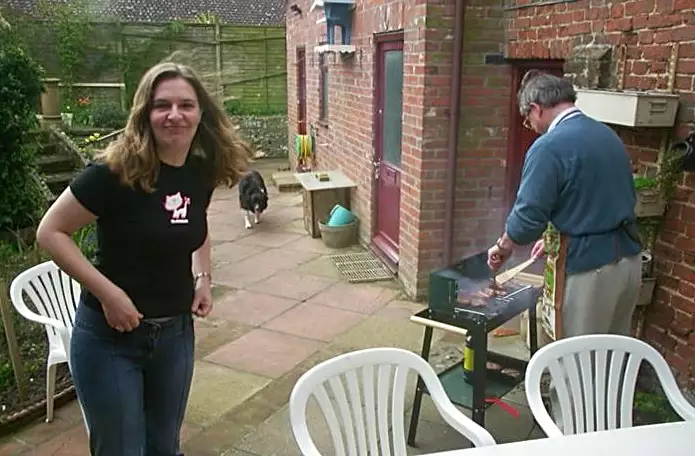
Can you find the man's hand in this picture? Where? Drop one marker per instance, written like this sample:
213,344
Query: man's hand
499,253
538,250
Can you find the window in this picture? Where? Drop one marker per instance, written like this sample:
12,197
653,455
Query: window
323,87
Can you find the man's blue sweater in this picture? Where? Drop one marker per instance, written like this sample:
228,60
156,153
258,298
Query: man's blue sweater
577,176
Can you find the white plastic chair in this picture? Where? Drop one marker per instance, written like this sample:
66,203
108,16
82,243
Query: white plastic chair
382,372
55,296
595,377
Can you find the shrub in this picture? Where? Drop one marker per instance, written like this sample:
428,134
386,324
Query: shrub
21,198
108,115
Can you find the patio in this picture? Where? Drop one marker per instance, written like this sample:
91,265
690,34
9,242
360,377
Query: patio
281,307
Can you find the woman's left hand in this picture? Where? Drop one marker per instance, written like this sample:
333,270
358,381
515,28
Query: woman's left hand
202,301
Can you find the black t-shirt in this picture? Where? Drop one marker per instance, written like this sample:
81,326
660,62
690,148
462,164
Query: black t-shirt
146,240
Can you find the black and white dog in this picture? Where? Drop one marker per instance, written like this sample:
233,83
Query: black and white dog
253,196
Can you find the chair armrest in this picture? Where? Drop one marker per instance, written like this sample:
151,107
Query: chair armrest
477,434
679,403
29,315
673,393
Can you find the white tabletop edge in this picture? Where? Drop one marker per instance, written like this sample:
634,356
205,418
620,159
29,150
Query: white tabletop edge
669,439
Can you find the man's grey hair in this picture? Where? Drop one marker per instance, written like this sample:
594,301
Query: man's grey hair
545,90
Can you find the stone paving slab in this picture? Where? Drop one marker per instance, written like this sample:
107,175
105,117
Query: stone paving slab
217,390
232,252
301,321
227,230
270,238
385,331
293,285
252,308
212,334
281,307
241,274
294,226
279,259
322,266
359,297
259,267
264,352
69,443
285,181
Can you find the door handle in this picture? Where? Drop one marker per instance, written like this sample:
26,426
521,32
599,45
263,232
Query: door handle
376,165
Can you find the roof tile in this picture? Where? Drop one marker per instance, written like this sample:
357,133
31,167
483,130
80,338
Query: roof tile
241,12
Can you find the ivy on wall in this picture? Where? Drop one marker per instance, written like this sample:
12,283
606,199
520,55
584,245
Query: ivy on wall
71,22
243,64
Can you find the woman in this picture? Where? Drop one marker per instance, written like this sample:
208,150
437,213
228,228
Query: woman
132,344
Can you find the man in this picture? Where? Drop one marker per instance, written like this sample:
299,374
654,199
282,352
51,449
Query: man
577,176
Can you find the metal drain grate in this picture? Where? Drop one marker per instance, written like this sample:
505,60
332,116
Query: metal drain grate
361,267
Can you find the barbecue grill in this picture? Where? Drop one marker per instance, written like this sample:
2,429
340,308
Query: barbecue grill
477,390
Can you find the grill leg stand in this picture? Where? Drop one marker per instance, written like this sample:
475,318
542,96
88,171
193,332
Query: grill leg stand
420,389
479,340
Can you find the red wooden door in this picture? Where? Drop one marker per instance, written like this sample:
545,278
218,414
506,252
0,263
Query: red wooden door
301,91
521,138
518,143
388,124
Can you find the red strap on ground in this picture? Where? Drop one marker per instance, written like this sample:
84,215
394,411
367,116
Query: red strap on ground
503,405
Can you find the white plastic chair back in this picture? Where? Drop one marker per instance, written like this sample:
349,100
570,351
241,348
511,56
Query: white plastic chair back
355,392
595,378
53,293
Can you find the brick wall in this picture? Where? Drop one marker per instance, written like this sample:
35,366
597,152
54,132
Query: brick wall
485,92
648,29
345,141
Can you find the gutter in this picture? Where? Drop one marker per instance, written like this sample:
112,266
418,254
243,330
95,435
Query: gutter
454,118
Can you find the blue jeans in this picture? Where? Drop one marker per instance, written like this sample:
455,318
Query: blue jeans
132,386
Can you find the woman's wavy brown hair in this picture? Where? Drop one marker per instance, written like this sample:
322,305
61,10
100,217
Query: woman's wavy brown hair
225,156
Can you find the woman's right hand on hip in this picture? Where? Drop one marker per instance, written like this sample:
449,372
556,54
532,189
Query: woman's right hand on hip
120,312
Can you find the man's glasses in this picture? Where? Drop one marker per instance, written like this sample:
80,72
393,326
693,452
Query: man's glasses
526,123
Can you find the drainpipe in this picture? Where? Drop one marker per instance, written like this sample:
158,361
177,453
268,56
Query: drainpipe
454,117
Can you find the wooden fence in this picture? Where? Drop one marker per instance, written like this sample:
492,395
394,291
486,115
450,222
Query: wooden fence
243,65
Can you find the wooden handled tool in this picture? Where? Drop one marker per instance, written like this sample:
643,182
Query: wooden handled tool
509,274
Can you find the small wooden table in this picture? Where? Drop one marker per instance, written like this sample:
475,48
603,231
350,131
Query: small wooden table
671,439
321,196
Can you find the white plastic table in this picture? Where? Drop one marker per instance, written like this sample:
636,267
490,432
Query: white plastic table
672,439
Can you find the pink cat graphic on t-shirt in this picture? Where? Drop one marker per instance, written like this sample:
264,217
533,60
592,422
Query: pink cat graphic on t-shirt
177,204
